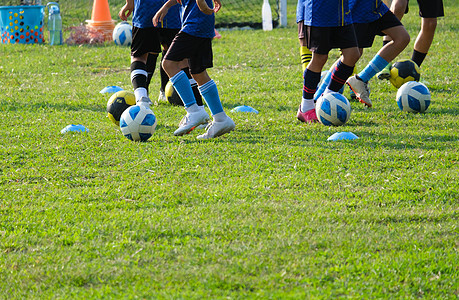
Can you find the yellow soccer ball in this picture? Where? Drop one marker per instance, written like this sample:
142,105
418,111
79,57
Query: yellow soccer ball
403,71
118,103
171,95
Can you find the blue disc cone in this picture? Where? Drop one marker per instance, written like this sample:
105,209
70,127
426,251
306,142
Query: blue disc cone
337,136
244,108
111,89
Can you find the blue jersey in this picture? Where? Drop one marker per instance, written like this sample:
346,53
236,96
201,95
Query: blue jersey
195,22
144,11
367,11
324,13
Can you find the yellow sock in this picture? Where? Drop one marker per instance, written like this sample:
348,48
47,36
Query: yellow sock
306,56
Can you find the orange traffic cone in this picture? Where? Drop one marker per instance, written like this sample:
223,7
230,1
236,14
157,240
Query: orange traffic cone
100,11
101,20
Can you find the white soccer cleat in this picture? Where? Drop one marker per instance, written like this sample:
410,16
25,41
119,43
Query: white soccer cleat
192,120
216,129
145,101
361,90
202,126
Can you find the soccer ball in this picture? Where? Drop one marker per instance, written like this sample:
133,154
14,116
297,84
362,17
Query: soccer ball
403,71
333,109
118,103
171,95
138,123
122,34
413,97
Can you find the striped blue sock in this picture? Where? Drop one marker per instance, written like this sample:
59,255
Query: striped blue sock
209,92
182,85
377,64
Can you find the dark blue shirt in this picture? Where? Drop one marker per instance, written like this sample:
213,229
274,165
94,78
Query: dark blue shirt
367,11
195,22
324,13
144,11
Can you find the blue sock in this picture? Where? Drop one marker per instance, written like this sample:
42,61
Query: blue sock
310,81
182,85
323,85
209,92
377,64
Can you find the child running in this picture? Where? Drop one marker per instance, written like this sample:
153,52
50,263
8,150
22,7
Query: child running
146,45
373,18
325,25
429,11
194,44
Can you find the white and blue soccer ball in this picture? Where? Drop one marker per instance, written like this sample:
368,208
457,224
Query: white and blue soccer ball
413,97
122,34
138,123
333,109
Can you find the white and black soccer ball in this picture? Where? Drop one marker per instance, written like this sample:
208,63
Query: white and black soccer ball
413,97
333,109
122,34
138,123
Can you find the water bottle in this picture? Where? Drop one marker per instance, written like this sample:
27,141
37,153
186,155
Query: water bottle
267,16
54,24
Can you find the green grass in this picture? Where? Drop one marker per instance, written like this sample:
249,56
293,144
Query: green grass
272,210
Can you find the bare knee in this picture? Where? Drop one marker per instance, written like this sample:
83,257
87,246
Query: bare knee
166,64
398,7
201,78
171,67
402,40
351,56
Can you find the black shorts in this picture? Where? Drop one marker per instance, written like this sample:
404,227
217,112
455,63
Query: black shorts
429,8
366,32
321,40
149,40
197,50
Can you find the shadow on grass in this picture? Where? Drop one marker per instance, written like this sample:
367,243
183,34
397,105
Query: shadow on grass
11,107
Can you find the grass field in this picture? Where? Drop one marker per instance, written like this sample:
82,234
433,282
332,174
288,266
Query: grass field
270,211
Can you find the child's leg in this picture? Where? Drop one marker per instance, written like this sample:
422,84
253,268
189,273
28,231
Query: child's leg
326,81
311,77
209,92
180,81
196,115
151,67
305,53
306,56
194,86
139,78
344,68
222,123
398,8
164,77
424,40
399,40
358,86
